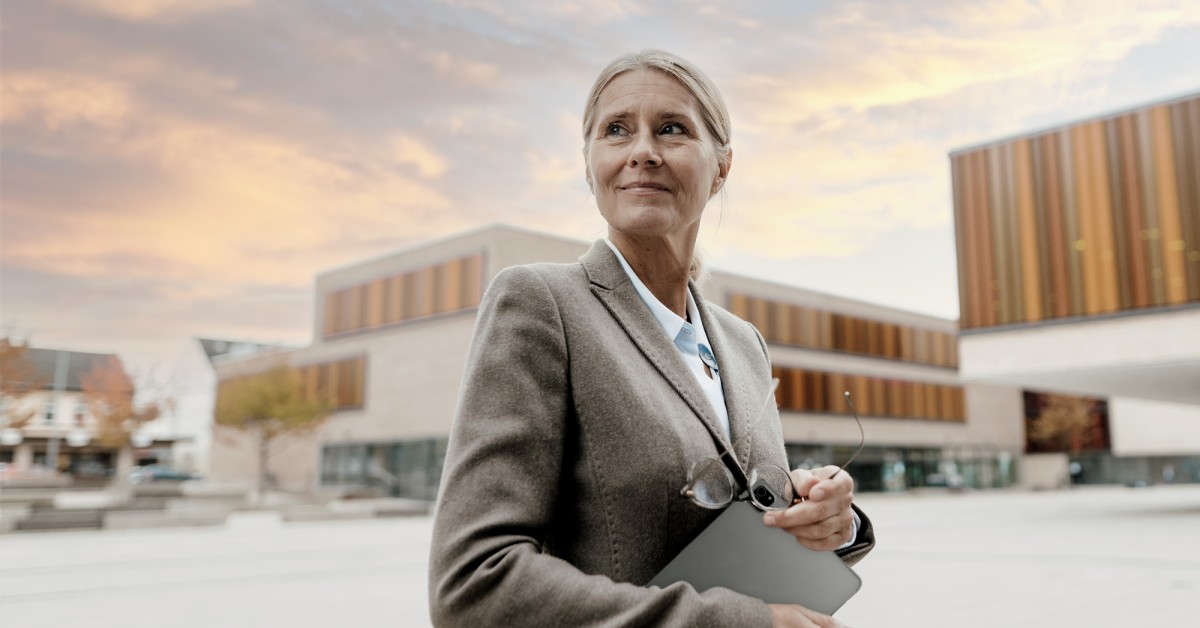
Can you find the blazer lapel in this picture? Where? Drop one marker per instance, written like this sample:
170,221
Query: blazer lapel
739,402
612,287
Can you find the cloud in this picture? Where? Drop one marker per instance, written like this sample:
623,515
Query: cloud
225,203
173,162
849,139
139,10
875,54
411,151
58,99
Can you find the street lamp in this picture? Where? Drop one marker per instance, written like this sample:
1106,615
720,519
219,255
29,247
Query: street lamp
11,437
141,439
78,438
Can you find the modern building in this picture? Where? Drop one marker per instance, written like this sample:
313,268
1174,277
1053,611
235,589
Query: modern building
188,418
1079,280
1079,273
47,425
390,341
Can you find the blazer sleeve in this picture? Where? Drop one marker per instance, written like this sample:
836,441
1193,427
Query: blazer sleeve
504,461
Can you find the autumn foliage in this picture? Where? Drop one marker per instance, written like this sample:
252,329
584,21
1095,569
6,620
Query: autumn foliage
270,404
1064,423
18,377
109,393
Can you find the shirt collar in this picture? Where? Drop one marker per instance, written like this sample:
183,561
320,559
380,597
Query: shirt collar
688,336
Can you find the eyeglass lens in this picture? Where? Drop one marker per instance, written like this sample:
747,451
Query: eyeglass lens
711,485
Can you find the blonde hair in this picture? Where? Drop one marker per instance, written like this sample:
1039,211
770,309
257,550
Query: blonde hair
712,106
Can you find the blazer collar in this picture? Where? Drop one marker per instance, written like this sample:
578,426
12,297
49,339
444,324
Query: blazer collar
612,287
740,403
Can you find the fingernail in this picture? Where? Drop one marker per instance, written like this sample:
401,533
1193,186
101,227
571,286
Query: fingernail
769,519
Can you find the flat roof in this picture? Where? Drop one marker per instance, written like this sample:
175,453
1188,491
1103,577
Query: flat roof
1096,118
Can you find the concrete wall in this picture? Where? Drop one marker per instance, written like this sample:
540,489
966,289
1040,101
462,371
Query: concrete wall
1150,355
1044,471
413,374
1153,428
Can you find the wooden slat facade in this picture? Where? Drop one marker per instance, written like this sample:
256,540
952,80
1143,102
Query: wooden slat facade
453,286
1098,217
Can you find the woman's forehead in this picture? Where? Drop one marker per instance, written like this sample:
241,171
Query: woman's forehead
636,91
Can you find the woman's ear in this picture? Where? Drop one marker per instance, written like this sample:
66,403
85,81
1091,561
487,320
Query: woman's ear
723,166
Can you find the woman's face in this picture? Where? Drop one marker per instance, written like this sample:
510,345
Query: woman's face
651,161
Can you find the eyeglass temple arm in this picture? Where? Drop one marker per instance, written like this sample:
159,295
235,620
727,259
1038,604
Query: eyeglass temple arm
862,435
727,456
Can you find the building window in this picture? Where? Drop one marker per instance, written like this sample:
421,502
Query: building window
802,390
406,468
447,288
1065,423
810,328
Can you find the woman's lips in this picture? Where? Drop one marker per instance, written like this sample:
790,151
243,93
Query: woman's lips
644,187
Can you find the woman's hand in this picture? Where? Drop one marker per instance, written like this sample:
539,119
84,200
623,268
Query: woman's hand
789,615
823,520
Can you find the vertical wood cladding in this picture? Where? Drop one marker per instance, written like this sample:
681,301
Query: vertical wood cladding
340,383
454,286
1098,217
802,390
810,328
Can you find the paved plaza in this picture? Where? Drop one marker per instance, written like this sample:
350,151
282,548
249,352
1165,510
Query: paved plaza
1089,557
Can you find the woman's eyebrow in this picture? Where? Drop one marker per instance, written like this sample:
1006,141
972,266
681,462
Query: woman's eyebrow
618,115
673,115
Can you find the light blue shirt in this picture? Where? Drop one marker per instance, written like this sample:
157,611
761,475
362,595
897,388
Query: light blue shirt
689,338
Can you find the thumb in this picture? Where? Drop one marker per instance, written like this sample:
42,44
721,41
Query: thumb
804,486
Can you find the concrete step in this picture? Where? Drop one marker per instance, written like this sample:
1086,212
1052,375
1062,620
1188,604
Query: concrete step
141,503
43,519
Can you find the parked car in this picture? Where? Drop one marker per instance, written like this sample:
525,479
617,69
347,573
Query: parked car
158,473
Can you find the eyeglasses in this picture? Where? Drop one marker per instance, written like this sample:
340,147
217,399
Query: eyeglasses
712,484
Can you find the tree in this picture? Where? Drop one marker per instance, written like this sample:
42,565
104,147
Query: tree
1063,424
270,405
18,377
110,397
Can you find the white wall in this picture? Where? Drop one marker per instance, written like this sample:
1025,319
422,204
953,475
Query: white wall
1149,355
1149,428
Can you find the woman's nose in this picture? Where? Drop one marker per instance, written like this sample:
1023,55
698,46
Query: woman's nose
644,152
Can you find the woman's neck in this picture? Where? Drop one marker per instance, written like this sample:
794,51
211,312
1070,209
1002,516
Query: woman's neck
663,264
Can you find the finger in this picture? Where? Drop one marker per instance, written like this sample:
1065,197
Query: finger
828,471
831,488
816,510
800,514
819,619
830,526
835,529
825,544
807,513
803,480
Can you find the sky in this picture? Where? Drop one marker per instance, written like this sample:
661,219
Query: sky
180,168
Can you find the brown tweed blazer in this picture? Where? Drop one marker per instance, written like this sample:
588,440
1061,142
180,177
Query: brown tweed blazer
576,427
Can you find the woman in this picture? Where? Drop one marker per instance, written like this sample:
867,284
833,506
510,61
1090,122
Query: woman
592,388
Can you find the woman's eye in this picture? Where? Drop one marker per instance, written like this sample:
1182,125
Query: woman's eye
674,128
613,129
